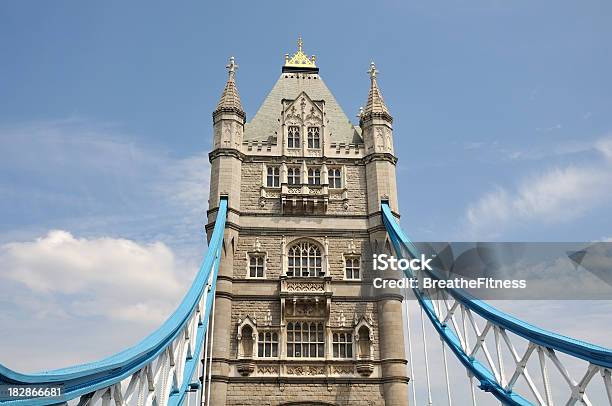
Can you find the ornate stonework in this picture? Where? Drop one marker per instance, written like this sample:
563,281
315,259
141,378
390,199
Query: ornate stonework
294,328
305,370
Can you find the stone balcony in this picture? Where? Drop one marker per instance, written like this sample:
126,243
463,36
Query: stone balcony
305,297
301,199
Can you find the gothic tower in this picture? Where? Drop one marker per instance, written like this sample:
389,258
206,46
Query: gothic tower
297,319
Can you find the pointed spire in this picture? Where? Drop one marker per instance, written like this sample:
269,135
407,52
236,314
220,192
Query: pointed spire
375,105
230,99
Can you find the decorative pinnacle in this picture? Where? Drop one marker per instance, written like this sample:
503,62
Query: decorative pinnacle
300,59
230,100
375,104
232,67
372,71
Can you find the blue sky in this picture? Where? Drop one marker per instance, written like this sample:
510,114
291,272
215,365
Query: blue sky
502,112
485,95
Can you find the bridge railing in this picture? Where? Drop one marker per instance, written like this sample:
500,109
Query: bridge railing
159,370
498,349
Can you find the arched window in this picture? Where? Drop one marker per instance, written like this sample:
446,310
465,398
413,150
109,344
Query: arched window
273,179
293,138
334,177
314,176
304,260
351,268
305,340
293,176
314,138
256,265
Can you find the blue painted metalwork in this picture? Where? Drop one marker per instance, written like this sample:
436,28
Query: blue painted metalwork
592,353
87,378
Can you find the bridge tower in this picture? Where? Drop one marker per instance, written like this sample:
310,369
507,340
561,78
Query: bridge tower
297,319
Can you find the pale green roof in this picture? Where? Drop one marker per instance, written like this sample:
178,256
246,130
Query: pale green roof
266,122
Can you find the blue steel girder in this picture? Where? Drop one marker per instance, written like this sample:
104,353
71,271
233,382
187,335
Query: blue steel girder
93,378
595,355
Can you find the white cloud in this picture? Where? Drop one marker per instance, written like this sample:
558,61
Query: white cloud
87,297
107,277
556,195
604,146
72,300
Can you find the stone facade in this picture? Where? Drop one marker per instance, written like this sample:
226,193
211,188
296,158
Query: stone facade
297,320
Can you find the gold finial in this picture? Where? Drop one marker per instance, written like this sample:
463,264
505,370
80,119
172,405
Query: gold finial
372,71
300,59
232,66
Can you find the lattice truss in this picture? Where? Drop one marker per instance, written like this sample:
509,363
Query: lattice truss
514,361
555,378
177,366
163,369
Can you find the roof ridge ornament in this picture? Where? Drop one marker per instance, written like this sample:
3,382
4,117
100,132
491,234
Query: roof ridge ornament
232,67
373,71
299,61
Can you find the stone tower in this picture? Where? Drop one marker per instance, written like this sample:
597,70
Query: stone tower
297,319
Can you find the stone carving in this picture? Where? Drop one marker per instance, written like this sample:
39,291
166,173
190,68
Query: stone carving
365,367
292,117
293,152
313,116
389,143
351,246
217,136
305,370
380,139
343,369
305,287
227,133
238,139
267,369
246,367
341,319
307,310
268,318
